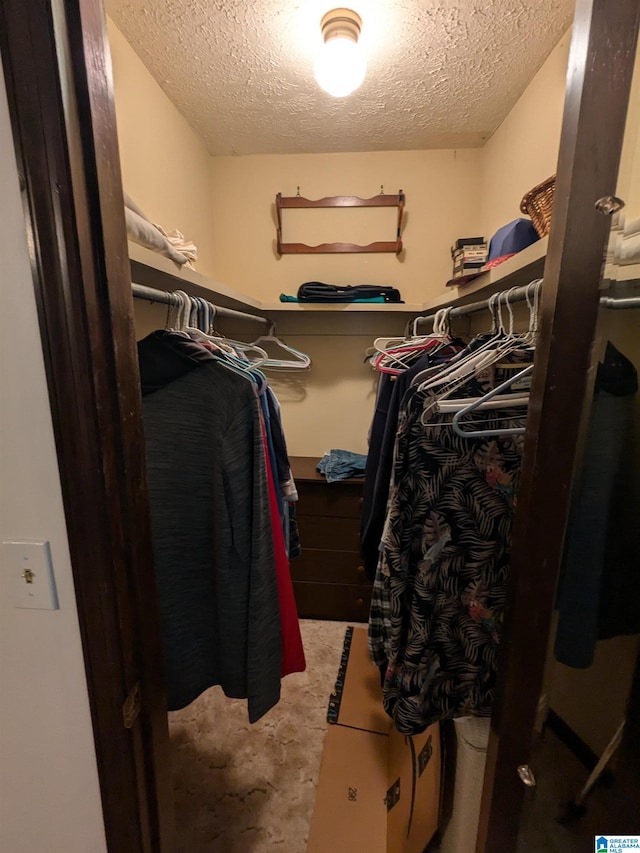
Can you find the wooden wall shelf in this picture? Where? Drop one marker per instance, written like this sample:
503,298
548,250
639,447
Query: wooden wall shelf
344,201
339,248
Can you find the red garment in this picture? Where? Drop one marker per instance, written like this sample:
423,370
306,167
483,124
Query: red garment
292,651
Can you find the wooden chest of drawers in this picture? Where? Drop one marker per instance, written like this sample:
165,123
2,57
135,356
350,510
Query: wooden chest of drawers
328,579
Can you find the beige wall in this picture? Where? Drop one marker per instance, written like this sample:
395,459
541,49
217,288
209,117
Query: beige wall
331,405
524,149
629,174
225,204
449,194
49,795
165,165
443,202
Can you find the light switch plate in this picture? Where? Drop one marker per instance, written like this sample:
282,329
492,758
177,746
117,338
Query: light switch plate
28,575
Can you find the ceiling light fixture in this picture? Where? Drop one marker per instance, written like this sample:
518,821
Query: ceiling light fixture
341,64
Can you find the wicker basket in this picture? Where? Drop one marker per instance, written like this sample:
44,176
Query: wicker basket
538,204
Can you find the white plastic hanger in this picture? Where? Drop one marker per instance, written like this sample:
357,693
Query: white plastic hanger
500,344
493,398
488,401
464,404
301,361
411,335
422,379
187,312
503,341
460,367
399,355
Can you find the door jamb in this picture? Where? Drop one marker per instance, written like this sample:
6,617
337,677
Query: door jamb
599,76
58,78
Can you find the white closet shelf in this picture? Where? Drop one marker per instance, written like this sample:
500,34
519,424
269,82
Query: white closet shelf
154,270
522,268
622,274
343,307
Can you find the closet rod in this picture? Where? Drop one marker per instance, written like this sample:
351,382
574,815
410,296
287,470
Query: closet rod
622,302
141,291
518,294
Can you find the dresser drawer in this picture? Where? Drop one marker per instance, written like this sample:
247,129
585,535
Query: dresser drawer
341,500
328,567
342,602
329,534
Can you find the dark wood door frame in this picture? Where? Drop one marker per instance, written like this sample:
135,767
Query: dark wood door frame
599,76
58,79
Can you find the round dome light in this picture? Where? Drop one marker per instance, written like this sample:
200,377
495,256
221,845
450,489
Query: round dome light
341,65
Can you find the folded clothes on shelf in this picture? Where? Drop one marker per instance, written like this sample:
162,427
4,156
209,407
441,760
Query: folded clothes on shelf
374,299
171,244
339,465
316,291
180,243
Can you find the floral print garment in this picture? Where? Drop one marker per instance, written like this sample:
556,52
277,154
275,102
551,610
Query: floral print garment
439,592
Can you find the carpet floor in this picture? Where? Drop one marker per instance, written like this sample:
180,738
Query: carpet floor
242,788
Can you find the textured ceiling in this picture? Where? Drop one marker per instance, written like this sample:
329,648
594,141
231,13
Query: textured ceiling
440,74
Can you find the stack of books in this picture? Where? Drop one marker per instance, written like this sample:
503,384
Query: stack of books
469,255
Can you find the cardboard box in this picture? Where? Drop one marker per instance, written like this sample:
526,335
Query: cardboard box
379,790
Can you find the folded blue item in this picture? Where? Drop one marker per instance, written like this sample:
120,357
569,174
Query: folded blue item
285,298
339,465
512,237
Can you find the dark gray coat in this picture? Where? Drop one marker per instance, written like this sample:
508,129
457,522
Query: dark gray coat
212,534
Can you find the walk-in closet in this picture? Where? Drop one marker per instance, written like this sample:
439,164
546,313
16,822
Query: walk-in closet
321,427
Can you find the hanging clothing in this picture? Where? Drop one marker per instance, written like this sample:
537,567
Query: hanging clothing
293,659
282,469
598,594
285,482
213,538
270,451
438,597
382,436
